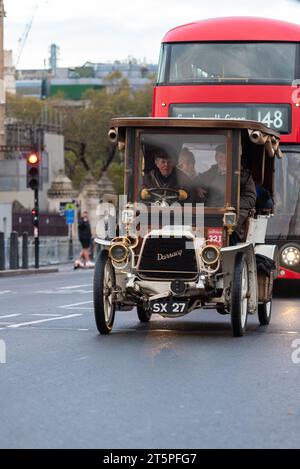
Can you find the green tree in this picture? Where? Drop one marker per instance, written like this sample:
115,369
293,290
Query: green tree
89,123
23,108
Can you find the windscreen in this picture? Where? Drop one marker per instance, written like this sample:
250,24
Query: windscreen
196,164
259,62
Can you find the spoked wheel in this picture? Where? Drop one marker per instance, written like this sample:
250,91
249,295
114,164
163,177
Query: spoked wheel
104,284
221,309
239,296
144,315
264,313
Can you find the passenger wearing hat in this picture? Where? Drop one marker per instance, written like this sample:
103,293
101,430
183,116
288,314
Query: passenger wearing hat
165,174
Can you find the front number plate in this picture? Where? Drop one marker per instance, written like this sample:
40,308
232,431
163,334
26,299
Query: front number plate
169,306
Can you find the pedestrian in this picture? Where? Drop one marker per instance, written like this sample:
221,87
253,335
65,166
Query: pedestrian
85,238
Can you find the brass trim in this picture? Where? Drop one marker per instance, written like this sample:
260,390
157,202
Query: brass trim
210,246
118,261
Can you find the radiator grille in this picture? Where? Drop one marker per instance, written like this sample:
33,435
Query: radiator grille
168,258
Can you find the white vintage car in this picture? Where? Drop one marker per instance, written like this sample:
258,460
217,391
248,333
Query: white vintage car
182,240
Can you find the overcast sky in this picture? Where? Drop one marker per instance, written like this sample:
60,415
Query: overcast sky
102,30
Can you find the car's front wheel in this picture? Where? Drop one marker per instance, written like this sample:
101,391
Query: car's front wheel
104,284
144,314
239,295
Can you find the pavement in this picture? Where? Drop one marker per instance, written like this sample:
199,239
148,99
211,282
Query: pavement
17,272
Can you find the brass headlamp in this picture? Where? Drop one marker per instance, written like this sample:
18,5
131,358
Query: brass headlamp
229,219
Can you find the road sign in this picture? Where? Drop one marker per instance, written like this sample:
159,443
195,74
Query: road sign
70,216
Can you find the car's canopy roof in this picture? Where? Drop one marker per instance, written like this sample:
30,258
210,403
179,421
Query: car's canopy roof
193,123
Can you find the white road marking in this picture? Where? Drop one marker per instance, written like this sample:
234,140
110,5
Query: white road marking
44,314
62,292
46,291
10,315
75,286
5,323
73,305
44,320
5,291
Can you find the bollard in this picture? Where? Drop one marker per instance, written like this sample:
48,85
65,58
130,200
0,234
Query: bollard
2,251
14,251
25,250
70,249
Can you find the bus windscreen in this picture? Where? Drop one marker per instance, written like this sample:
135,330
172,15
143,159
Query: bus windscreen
228,62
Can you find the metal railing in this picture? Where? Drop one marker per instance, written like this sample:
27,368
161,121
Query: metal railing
53,250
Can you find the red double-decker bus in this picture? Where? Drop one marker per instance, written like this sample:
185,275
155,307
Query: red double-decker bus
242,68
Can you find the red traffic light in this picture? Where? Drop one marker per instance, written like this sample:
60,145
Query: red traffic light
34,216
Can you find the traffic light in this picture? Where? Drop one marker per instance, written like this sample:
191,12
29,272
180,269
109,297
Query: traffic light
35,217
33,170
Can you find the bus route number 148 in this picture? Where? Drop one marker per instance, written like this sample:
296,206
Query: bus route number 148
274,119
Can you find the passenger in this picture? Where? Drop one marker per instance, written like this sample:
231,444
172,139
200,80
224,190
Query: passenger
212,185
264,200
166,175
186,163
247,203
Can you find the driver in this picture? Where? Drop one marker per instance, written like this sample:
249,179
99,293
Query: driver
165,174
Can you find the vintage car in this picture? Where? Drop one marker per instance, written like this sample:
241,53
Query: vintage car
188,233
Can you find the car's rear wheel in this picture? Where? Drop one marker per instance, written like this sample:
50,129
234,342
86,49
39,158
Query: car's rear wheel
239,296
264,313
221,309
104,284
144,314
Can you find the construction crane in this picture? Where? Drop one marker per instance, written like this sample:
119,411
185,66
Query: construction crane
23,38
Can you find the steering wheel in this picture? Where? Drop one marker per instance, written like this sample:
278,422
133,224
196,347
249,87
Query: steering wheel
164,195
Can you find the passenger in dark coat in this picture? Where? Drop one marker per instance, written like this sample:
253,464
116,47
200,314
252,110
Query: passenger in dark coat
247,200
212,185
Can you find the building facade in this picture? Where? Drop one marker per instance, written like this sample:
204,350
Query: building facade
74,82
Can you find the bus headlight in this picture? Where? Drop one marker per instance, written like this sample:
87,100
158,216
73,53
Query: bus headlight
290,256
210,254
